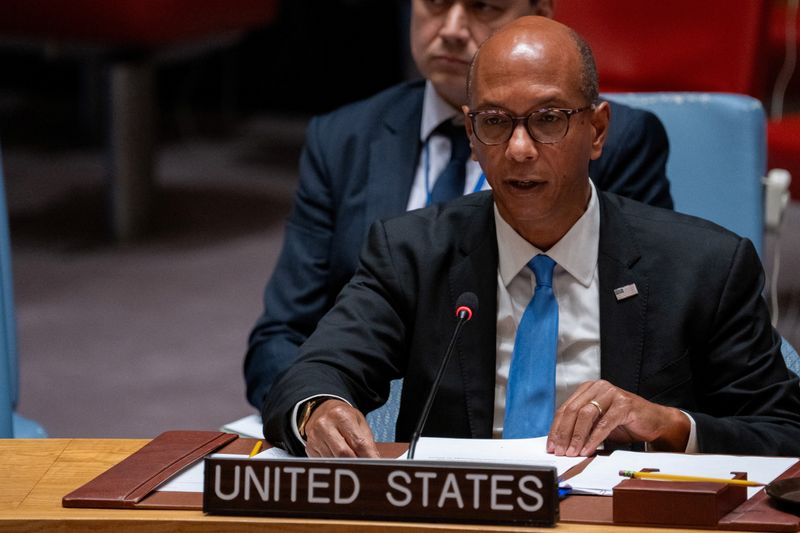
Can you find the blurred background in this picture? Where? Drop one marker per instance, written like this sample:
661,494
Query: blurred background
149,171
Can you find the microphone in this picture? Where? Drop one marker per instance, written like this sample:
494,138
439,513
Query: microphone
466,305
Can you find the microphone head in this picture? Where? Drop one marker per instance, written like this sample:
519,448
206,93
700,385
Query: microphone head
466,305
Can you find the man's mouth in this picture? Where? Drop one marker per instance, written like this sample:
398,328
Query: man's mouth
451,60
524,185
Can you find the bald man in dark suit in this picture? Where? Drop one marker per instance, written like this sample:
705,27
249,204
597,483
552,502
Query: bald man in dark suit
663,336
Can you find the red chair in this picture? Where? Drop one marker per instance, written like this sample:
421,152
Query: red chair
131,35
681,45
685,45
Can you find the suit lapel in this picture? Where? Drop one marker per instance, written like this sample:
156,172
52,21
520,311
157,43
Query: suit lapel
622,322
476,271
393,157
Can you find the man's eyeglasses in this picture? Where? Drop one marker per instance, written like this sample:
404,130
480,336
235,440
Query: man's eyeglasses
546,126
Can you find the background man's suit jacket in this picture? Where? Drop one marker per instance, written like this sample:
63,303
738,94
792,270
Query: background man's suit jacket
697,336
358,166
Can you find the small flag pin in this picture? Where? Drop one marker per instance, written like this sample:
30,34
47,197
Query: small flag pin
626,292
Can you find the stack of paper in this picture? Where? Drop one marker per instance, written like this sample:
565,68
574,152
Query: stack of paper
249,426
511,451
602,474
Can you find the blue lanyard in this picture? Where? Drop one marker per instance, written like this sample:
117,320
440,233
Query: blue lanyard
426,162
480,184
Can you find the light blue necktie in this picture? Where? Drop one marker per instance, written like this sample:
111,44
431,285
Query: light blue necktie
531,391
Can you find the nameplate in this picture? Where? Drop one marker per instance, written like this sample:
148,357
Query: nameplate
382,490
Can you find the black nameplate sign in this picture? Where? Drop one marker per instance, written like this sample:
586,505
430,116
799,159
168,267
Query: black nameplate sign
382,490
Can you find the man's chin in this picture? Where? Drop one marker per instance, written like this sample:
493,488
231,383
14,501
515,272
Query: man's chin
450,88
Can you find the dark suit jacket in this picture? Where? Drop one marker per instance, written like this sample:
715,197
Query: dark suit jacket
358,166
697,336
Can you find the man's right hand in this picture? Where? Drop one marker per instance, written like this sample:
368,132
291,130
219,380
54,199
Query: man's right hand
337,429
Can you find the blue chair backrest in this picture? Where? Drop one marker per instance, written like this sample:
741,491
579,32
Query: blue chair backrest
383,419
8,349
790,356
717,155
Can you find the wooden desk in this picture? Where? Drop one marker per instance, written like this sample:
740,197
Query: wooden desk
35,474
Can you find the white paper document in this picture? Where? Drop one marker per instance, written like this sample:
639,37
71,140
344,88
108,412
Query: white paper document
507,451
249,426
602,474
191,479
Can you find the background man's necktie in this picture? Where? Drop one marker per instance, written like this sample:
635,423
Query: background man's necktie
531,391
450,183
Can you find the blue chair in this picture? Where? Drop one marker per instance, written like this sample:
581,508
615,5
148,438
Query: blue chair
11,423
382,420
718,155
791,357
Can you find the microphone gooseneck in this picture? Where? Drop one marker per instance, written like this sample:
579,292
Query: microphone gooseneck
466,306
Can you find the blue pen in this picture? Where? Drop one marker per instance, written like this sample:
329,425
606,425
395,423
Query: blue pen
564,490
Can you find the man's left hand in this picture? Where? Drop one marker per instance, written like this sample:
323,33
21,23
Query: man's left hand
598,410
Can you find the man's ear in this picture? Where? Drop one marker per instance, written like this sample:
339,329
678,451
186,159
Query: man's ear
601,116
468,127
543,8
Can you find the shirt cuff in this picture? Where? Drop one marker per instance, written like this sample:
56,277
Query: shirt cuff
691,442
299,404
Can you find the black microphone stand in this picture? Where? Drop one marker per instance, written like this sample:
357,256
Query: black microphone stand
463,318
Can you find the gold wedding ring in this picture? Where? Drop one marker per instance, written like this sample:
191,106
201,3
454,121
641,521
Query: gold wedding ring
596,404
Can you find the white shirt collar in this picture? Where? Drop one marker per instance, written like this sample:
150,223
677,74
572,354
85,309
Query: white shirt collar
435,110
576,252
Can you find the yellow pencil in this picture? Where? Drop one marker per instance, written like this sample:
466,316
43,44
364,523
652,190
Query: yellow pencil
256,449
675,477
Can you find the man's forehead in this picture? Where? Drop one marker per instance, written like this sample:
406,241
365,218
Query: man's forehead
537,97
522,62
526,54
526,50
530,32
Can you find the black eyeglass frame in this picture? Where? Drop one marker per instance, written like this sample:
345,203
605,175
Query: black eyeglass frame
525,120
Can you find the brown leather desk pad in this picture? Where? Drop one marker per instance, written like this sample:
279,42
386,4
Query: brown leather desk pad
132,484
129,483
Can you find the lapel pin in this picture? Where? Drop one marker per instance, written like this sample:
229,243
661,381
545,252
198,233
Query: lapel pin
626,292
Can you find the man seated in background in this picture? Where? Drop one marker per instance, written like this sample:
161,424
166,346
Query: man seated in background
401,150
601,318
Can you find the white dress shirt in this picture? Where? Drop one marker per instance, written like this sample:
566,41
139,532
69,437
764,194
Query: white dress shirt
435,153
575,286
